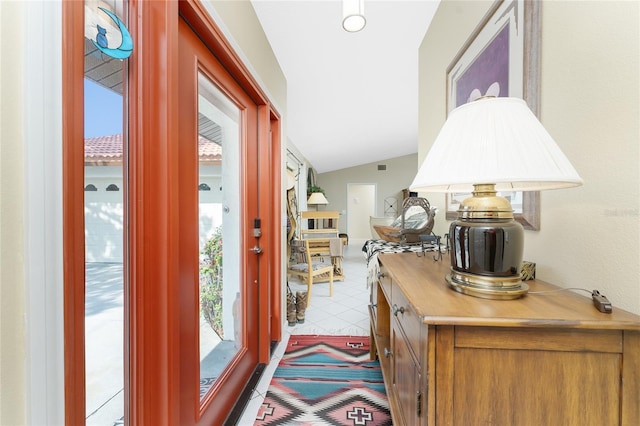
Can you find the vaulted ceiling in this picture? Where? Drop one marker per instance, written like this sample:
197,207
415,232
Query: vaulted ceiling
352,98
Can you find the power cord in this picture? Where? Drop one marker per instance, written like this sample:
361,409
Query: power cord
599,300
560,289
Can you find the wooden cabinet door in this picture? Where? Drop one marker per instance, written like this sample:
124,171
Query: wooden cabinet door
406,377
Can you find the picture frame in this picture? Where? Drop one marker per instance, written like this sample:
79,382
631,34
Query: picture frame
500,58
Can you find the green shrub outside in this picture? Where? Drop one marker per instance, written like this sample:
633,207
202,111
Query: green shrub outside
211,282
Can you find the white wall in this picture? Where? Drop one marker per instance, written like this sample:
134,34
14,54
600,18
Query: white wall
590,98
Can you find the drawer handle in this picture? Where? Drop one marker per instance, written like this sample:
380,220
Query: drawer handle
373,305
397,310
381,275
387,353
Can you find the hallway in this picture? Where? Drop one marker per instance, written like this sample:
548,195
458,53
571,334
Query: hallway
346,313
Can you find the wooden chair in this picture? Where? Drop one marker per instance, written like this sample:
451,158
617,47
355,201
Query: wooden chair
319,219
308,270
320,237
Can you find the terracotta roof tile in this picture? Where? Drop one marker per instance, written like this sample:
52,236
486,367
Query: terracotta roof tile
103,149
209,151
108,149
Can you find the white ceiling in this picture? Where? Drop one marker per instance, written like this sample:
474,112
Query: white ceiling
352,98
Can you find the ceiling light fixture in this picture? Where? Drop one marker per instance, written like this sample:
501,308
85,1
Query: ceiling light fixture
353,15
489,145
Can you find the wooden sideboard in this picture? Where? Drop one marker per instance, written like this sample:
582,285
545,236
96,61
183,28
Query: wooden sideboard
545,359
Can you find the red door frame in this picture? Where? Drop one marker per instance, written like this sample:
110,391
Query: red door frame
73,210
269,177
153,229
152,375
195,59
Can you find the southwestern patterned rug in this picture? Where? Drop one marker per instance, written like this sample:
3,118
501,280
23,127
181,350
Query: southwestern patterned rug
326,380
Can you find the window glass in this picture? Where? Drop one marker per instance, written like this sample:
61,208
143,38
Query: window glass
105,187
219,226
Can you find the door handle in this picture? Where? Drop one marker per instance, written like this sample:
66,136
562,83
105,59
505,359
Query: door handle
257,250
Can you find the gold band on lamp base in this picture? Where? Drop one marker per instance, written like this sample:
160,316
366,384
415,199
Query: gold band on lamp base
504,289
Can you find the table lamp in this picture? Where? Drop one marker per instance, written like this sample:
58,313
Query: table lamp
316,199
485,146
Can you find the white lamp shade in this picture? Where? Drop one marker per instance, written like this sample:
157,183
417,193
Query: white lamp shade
353,15
317,198
494,140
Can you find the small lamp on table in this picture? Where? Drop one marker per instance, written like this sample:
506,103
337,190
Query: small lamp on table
316,199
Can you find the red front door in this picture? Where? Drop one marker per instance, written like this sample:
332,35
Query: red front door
218,205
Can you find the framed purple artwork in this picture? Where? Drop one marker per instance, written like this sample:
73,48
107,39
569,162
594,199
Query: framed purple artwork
501,58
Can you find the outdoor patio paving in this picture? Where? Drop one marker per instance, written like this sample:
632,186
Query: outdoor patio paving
104,328
104,336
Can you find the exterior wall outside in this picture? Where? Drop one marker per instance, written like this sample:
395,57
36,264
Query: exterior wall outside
210,203
390,183
590,101
104,210
103,214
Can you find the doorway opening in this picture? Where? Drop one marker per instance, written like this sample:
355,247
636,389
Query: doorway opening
361,205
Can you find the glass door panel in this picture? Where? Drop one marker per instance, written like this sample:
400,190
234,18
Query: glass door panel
104,218
219,226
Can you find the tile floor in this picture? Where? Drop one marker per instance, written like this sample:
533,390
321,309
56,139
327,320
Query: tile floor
346,313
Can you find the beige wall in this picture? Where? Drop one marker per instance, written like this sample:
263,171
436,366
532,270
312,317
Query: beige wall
240,24
590,98
239,18
12,356
390,183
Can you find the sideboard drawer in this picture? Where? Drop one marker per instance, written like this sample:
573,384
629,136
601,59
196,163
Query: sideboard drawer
385,283
373,302
408,321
